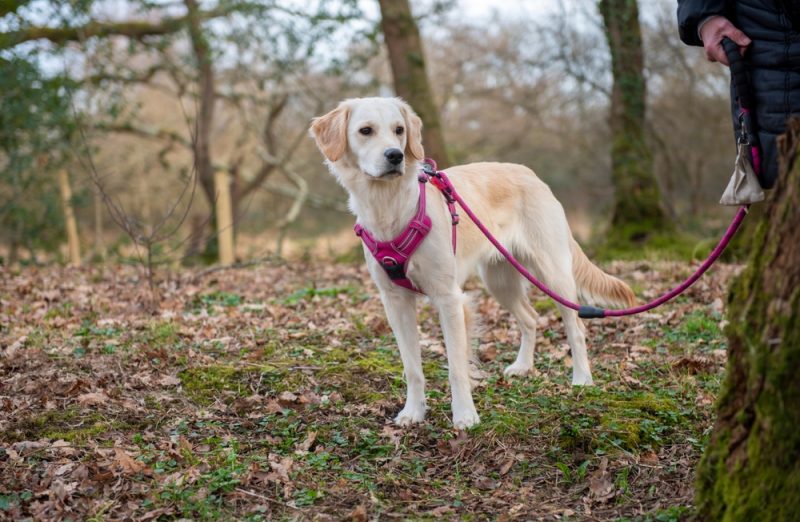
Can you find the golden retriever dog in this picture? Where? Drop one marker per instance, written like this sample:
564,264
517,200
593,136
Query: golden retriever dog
373,146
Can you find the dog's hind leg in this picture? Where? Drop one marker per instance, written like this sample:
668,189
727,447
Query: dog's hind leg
508,287
558,276
401,312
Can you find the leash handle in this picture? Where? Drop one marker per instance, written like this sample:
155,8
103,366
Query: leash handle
748,126
739,76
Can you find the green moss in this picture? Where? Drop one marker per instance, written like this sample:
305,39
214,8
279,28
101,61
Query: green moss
72,425
544,306
363,375
611,422
205,384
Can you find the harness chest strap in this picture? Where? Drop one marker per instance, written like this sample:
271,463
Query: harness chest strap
393,255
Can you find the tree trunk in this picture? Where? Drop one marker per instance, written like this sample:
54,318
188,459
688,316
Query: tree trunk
205,116
637,209
751,466
73,242
407,59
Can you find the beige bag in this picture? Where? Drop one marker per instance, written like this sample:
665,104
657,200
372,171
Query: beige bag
744,187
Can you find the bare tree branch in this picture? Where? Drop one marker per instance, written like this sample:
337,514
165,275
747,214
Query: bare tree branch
137,30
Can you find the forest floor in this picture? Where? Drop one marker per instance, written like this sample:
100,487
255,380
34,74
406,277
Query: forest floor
267,393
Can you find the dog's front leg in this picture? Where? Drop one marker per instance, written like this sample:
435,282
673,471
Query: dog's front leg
400,306
451,315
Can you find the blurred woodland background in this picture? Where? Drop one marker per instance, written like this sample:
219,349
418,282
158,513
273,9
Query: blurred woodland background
125,124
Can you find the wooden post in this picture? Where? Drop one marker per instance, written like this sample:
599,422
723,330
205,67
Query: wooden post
224,217
99,246
73,243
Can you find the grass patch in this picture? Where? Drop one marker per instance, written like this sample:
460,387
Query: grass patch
311,292
212,300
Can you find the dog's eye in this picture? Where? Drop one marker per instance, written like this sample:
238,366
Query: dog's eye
399,131
366,131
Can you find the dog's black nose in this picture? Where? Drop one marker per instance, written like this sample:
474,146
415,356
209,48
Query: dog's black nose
394,156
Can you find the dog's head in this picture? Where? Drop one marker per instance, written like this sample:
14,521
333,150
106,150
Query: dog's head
376,137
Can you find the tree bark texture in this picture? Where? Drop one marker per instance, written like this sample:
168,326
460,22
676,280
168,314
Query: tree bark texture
637,208
205,116
751,466
411,83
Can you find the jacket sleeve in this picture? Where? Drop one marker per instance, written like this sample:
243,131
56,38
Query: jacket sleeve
692,12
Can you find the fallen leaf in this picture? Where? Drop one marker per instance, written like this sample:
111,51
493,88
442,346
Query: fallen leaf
129,465
694,365
92,399
168,380
487,352
485,483
304,446
601,488
650,458
359,514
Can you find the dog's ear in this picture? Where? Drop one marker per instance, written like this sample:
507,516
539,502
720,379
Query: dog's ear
330,132
414,131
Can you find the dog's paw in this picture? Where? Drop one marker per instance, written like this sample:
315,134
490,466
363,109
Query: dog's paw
465,419
409,416
582,380
519,370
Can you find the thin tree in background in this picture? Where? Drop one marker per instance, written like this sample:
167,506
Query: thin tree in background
751,466
637,209
407,60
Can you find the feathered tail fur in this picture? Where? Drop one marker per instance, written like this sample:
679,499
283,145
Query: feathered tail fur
597,288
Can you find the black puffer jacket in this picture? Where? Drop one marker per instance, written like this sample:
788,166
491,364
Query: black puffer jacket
773,59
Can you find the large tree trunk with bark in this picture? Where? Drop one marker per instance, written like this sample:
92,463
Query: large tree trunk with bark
637,209
751,466
410,77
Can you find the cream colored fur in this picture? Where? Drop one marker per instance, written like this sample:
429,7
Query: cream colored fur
513,203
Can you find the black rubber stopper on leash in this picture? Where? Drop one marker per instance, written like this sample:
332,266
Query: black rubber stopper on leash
591,312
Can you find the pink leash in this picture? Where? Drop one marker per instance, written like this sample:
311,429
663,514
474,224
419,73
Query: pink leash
587,312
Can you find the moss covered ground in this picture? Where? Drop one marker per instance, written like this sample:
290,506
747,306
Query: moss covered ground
268,394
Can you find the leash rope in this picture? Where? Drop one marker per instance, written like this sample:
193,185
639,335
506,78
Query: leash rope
584,311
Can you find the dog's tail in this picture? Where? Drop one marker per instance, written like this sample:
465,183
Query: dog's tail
597,288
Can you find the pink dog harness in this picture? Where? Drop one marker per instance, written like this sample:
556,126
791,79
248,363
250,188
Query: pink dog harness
393,255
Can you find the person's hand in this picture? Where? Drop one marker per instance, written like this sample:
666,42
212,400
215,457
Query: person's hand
713,31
